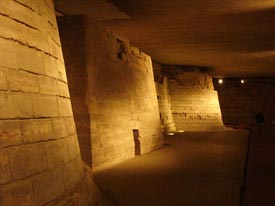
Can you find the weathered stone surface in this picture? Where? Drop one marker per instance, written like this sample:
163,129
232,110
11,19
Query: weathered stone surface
113,83
39,157
19,193
5,173
32,79
10,133
65,107
70,126
36,130
59,128
57,153
48,186
73,173
28,160
15,105
22,81
63,89
47,85
3,79
45,106
73,147
194,103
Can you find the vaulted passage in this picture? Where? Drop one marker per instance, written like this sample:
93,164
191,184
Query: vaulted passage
93,87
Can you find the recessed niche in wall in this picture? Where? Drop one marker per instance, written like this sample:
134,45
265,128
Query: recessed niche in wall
137,141
121,49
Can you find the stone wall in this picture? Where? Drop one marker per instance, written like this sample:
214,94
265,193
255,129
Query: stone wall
194,103
73,39
40,161
164,102
240,102
121,96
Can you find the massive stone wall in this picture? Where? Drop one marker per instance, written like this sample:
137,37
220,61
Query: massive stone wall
240,102
194,103
121,96
40,162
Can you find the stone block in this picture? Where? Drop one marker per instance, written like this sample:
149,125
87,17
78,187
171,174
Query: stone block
73,173
10,133
45,106
73,147
8,58
22,81
36,130
70,124
48,85
25,54
48,186
5,173
18,193
63,89
22,164
51,67
65,107
57,153
59,128
3,79
27,160
39,157
15,105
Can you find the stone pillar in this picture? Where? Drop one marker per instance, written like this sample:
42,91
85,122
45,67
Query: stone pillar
40,161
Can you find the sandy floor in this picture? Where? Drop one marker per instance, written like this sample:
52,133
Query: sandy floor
193,169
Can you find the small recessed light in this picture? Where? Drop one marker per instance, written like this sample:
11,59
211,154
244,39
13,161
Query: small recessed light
170,134
220,81
242,81
181,131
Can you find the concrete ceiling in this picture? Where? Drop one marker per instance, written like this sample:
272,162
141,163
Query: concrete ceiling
232,37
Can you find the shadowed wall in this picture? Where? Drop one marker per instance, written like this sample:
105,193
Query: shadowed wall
240,102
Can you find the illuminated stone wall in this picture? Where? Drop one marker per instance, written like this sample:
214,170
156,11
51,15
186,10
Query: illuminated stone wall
164,102
240,102
40,162
121,95
194,103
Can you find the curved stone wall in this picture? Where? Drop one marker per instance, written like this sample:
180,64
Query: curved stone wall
40,161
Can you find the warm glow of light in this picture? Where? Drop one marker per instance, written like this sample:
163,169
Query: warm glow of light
181,131
170,134
220,81
242,81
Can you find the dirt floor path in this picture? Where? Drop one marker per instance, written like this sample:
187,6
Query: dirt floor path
193,169
261,169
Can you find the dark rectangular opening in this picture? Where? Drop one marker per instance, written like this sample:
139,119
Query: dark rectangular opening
137,141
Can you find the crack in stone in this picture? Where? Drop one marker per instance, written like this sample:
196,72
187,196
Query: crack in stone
29,46
18,21
24,5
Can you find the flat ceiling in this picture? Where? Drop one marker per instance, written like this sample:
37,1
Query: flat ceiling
232,37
